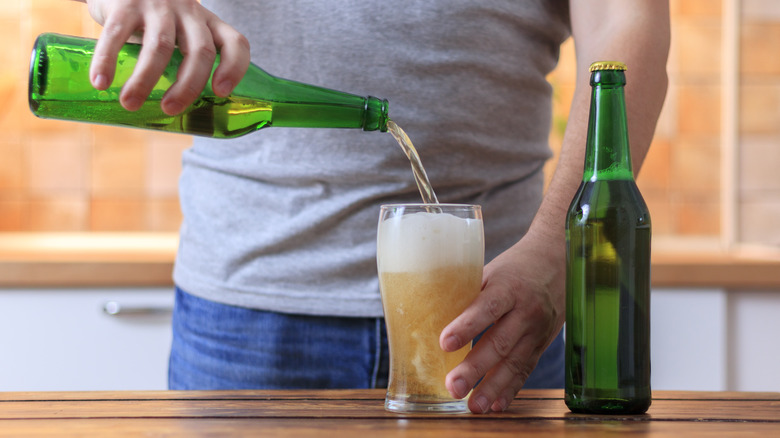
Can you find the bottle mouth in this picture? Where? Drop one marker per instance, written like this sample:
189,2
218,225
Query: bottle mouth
608,78
37,70
376,114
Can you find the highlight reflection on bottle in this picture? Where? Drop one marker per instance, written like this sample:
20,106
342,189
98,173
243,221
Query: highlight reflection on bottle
429,258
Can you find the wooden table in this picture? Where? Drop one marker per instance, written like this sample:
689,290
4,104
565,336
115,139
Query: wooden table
360,413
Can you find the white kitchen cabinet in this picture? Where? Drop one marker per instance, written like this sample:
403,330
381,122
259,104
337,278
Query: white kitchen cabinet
63,339
754,321
688,341
715,339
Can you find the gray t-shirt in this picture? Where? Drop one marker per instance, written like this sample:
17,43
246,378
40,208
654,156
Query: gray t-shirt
285,219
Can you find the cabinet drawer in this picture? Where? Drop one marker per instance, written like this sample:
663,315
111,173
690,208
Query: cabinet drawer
84,339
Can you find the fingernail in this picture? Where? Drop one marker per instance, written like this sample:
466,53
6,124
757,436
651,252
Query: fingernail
460,388
500,405
101,82
451,343
172,107
482,403
133,103
224,88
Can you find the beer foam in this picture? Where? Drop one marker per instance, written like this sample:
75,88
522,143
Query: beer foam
423,241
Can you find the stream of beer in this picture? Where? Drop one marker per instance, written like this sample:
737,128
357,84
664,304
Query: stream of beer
420,177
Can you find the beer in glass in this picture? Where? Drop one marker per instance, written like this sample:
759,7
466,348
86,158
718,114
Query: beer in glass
429,259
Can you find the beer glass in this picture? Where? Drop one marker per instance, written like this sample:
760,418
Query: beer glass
429,260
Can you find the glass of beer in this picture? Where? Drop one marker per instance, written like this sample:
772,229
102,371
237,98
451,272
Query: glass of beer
429,260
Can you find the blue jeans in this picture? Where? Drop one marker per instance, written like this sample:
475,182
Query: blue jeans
217,346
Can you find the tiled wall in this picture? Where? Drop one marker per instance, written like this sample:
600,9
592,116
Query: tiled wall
759,123
682,178
63,176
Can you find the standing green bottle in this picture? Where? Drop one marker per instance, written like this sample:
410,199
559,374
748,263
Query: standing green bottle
60,89
608,265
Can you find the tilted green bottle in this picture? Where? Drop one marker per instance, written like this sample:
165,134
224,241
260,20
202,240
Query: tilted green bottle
608,265
60,89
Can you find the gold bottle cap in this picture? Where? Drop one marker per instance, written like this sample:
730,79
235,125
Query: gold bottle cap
607,65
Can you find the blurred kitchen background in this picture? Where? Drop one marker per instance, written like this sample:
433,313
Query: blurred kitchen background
72,194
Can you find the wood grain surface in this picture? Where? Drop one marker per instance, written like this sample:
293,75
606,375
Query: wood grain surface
348,413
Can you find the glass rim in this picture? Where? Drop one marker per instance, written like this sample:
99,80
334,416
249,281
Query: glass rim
429,206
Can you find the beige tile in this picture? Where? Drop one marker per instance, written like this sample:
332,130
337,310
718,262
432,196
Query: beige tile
55,16
698,216
14,110
695,8
13,214
759,111
760,48
113,134
12,167
662,214
57,163
118,164
34,126
117,214
655,171
698,109
65,212
697,45
759,164
11,9
163,163
695,166
759,220
760,10
163,214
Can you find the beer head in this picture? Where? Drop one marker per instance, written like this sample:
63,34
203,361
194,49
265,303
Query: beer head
423,241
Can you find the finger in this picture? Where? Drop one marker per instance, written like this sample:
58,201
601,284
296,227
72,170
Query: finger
114,35
159,42
197,46
234,57
494,346
489,306
500,385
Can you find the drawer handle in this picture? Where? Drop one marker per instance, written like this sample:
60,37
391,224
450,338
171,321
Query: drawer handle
114,308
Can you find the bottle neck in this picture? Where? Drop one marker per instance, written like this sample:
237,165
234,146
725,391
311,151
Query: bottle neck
376,117
607,155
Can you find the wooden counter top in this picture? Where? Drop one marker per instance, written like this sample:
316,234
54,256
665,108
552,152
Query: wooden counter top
360,413
87,259
146,259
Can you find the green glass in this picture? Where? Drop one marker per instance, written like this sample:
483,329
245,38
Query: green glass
60,89
608,266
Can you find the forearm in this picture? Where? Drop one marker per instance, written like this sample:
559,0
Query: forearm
637,36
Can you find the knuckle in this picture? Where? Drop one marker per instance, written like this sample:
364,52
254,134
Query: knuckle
113,29
518,367
206,52
201,52
477,370
189,93
162,44
240,40
495,307
501,345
